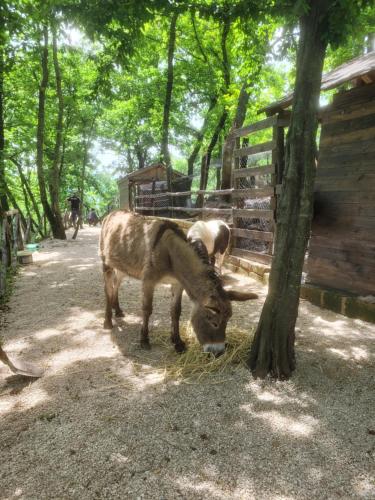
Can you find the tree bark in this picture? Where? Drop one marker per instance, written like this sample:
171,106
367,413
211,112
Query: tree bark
54,184
229,145
272,351
40,138
15,205
200,136
3,197
168,99
206,159
26,186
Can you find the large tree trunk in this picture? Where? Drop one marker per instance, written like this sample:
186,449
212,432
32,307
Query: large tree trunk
272,350
3,197
54,178
230,142
40,139
168,99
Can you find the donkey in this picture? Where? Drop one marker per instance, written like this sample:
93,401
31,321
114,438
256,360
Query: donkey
214,235
156,251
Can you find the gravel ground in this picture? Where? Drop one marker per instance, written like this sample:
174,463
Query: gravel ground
104,423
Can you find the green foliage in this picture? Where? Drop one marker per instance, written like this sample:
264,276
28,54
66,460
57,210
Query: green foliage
114,79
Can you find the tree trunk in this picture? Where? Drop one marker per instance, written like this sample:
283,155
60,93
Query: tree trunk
230,142
40,137
272,350
26,186
200,136
206,159
15,205
3,197
54,184
168,99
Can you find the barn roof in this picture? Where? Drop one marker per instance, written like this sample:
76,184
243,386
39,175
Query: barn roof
156,171
362,67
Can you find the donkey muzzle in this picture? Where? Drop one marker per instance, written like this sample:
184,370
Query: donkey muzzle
215,349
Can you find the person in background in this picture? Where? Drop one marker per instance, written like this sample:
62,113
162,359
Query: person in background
92,217
75,205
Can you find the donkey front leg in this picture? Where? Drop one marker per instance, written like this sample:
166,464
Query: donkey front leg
148,294
179,344
108,274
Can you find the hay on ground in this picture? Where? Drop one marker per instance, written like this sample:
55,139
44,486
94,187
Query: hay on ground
194,363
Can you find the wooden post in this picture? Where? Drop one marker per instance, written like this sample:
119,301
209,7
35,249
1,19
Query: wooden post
14,239
28,230
4,255
236,166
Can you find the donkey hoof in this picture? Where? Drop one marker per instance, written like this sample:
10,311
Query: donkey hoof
145,344
107,325
119,314
180,347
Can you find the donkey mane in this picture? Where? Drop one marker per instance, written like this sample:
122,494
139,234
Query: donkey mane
200,249
164,227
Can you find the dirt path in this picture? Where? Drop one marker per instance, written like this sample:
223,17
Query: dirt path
103,422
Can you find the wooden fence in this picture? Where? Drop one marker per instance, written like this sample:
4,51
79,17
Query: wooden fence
10,242
250,204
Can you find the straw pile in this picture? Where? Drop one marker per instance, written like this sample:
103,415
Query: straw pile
195,364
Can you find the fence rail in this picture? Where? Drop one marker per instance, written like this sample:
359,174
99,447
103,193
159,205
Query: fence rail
10,242
251,202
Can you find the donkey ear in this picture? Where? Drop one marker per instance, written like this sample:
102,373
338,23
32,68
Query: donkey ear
240,296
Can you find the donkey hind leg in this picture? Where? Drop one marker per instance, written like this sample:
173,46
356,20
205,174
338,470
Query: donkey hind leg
118,277
108,274
148,295
179,344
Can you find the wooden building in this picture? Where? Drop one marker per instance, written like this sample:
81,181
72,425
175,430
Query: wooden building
140,183
341,252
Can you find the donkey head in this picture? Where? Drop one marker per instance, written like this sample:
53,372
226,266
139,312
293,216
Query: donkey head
210,318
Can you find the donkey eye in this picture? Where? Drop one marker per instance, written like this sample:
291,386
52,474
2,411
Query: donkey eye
214,310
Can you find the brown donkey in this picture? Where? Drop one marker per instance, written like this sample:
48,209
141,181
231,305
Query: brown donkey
156,251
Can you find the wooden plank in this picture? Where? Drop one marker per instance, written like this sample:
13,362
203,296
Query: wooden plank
256,171
329,160
355,95
251,213
219,192
252,150
255,127
340,275
222,211
216,211
249,255
360,146
148,209
345,170
353,125
351,137
254,193
348,112
253,234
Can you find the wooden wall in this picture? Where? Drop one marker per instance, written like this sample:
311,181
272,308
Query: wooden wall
342,245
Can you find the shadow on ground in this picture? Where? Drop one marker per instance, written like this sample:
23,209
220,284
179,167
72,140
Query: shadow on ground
104,423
